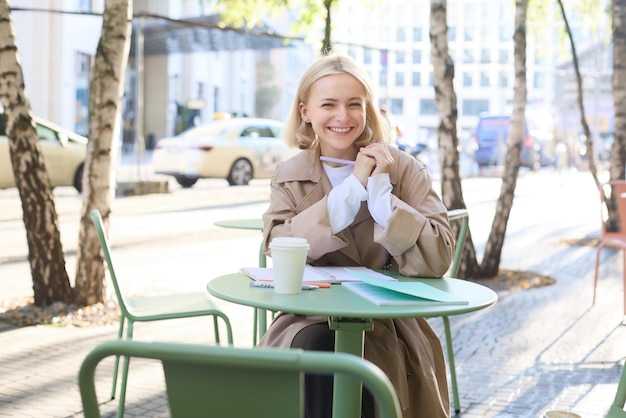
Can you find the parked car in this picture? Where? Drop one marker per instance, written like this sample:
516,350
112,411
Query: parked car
236,149
63,152
490,143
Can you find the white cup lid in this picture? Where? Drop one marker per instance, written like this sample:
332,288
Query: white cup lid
289,242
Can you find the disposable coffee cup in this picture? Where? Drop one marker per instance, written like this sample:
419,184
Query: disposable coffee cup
288,261
560,414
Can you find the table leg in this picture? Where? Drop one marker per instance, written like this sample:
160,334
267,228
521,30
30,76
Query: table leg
349,338
260,315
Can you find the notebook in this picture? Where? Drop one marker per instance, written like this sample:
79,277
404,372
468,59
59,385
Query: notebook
385,292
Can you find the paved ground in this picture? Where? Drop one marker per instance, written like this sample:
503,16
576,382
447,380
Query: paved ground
534,350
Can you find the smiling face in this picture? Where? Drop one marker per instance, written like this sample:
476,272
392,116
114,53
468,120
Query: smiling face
336,109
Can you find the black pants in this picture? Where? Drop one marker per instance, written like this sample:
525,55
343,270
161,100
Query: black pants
318,389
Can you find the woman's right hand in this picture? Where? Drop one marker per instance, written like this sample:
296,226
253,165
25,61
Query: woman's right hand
364,165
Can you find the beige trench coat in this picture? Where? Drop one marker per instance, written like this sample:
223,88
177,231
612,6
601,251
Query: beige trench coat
418,241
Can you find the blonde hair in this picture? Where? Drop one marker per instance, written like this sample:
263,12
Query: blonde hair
298,133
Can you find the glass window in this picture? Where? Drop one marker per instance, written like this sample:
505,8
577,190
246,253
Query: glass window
539,80
473,107
399,79
383,79
417,56
400,57
469,34
367,56
503,57
504,79
400,35
417,79
485,56
427,107
46,134
467,79
397,106
505,34
484,79
451,33
417,34
468,56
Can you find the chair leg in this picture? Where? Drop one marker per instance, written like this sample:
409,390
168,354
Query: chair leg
125,367
116,363
624,281
595,276
229,328
449,346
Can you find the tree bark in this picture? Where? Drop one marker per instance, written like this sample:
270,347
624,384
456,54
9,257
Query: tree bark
45,251
446,104
105,94
617,159
493,249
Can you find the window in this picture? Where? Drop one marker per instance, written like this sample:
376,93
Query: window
469,34
468,56
451,33
539,80
503,79
367,56
484,79
485,56
383,79
427,107
472,107
416,79
399,79
400,35
400,57
417,34
397,106
505,34
467,79
503,57
417,56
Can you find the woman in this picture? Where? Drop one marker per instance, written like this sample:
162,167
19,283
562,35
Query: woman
359,202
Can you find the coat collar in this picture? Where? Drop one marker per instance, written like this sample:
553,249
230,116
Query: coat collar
306,166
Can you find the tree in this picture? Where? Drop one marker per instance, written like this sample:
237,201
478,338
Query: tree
618,152
246,13
45,251
493,249
446,104
106,89
581,107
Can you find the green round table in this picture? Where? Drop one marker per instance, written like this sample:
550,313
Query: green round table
349,316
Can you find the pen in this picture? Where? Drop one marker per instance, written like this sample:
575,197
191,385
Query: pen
271,285
336,160
320,285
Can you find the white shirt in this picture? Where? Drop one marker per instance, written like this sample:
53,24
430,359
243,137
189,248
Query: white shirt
345,198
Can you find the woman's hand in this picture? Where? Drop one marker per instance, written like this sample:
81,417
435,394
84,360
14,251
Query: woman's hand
381,156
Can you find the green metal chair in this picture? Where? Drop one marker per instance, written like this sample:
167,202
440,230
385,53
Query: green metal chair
454,216
617,408
218,381
153,308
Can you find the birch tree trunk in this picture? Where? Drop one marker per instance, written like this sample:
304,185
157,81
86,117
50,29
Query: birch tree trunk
105,94
618,152
493,249
446,103
45,251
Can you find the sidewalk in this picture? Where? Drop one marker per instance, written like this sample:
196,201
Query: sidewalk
539,349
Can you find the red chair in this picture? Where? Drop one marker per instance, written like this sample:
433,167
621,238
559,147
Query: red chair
612,239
